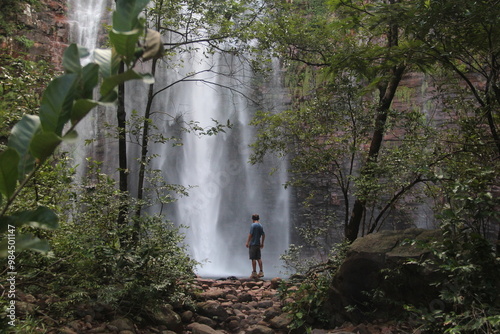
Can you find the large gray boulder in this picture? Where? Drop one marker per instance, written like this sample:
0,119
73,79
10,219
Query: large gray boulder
379,262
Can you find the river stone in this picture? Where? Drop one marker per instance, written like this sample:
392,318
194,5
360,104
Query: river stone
187,316
206,321
259,329
245,297
272,312
212,294
212,309
361,272
265,304
281,321
197,328
123,324
166,316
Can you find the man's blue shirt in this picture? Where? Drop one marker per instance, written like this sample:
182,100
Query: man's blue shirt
256,230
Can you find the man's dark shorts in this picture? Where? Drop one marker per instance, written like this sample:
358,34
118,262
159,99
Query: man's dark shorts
254,252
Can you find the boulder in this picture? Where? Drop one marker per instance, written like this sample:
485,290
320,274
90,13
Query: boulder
367,267
281,321
212,309
212,294
197,328
123,324
259,329
166,316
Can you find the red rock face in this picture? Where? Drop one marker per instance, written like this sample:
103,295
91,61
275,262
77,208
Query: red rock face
45,27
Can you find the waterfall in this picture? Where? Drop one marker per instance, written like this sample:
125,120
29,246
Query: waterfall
225,189
86,23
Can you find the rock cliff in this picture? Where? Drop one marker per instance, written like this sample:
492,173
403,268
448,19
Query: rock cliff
42,32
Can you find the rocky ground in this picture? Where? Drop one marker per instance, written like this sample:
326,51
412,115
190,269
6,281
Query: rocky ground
224,306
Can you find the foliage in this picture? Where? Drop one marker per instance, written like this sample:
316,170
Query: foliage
469,291
87,264
67,99
309,306
21,89
346,136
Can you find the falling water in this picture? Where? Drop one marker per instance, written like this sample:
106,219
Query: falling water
226,189
86,21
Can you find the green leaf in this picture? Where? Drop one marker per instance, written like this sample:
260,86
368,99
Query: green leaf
108,61
125,42
110,83
44,144
23,242
20,140
42,217
9,161
71,59
57,103
103,58
110,98
5,221
70,137
90,79
126,15
80,109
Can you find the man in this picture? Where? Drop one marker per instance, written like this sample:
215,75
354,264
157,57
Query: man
255,243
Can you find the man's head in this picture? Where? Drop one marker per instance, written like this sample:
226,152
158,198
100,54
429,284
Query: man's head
255,217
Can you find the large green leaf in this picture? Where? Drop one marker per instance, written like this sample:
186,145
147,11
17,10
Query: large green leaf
81,108
89,80
125,43
108,61
41,217
71,59
20,139
25,241
9,161
5,221
110,83
57,103
126,15
44,144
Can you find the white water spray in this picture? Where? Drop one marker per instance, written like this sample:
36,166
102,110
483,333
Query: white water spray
86,20
226,189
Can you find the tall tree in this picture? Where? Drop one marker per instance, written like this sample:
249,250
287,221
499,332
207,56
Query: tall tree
360,42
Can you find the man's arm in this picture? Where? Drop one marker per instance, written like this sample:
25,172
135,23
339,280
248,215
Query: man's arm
248,240
262,243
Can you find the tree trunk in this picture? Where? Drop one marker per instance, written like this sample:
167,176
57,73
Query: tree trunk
144,145
387,95
387,92
122,150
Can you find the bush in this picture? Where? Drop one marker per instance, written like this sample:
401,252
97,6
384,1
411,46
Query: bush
469,300
91,264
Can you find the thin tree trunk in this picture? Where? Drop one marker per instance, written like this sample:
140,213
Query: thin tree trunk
122,150
144,145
